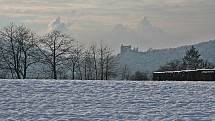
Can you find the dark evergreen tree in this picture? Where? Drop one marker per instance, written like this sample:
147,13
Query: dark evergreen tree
174,65
192,59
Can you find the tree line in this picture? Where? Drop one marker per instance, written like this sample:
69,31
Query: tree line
191,61
55,55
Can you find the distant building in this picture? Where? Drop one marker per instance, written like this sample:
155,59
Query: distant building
126,49
152,59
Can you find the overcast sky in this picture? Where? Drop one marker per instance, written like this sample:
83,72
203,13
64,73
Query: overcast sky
142,23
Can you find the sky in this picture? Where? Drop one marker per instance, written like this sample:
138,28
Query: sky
141,23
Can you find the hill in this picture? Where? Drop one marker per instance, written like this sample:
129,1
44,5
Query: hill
151,60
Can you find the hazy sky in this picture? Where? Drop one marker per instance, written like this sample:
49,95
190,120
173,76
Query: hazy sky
167,23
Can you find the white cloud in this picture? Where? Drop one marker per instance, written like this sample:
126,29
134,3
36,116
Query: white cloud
58,25
186,19
144,35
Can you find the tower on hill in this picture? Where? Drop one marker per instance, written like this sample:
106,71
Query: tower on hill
126,49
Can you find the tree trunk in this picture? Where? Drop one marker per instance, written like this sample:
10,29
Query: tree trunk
102,68
25,66
85,71
73,71
54,61
106,70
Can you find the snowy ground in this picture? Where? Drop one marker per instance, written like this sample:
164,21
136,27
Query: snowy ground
46,100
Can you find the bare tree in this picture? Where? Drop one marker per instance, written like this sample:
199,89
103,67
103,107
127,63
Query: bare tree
74,61
110,64
17,47
102,52
88,61
107,63
94,51
54,47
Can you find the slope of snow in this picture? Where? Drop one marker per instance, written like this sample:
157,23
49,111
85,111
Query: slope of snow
48,100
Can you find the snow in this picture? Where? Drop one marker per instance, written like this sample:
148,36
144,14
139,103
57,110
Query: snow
49,100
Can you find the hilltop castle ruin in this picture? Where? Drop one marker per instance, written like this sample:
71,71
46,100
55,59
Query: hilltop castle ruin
127,49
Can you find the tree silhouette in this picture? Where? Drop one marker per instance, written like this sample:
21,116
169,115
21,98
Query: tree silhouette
192,59
54,47
174,65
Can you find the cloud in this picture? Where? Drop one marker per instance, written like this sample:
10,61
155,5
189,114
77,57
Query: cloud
58,25
96,19
144,35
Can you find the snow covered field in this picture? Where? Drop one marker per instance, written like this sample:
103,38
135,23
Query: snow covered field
48,100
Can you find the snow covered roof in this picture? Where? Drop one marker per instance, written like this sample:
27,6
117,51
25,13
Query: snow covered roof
169,72
158,72
205,69
184,71
188,70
